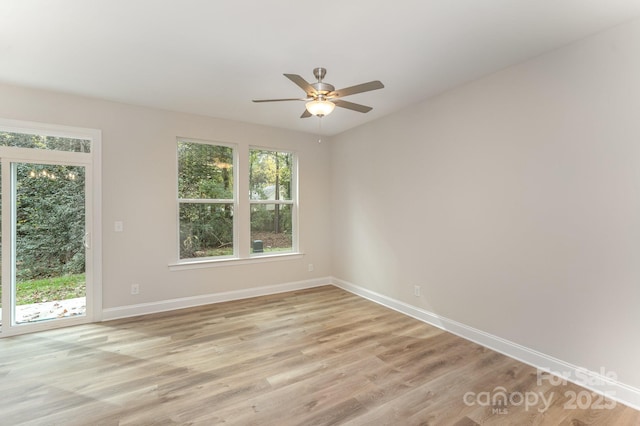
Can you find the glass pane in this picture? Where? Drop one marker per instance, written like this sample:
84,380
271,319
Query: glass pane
206,230
205,171
23,140
50,253
270,175
271,228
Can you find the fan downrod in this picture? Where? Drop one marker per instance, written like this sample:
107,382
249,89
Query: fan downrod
319,73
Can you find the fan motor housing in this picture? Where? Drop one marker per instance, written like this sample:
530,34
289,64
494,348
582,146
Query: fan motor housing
323,88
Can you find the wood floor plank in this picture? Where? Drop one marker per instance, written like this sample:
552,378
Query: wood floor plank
312,357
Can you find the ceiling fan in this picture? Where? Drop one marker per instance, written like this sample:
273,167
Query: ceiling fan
322,97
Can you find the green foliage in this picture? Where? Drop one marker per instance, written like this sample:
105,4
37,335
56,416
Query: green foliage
270,179
205,172
270,175
23,140
261,219
264,217
204,228
50,223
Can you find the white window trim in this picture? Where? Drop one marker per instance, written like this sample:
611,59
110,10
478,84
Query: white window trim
211,262
272,202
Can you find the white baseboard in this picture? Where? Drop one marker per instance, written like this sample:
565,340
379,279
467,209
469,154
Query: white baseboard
594,381
206,299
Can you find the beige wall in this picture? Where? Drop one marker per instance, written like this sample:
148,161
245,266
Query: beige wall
139,188
514,202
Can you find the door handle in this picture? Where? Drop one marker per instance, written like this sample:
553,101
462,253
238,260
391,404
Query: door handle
86,240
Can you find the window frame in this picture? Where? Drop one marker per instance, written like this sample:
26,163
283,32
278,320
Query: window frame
233,202
242,243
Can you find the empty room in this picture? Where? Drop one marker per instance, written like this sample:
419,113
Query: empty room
296,213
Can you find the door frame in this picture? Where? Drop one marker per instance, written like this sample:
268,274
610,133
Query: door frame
93,209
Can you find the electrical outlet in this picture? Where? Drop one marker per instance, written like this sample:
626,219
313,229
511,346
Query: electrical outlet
135,289
416,290
118,226
311,267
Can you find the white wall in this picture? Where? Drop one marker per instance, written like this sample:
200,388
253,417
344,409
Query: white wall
514,202
139,188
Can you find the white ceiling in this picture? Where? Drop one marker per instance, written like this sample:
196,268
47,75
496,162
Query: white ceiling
212,57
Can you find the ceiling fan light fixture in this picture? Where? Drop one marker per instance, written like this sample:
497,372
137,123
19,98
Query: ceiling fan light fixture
320,108
319,95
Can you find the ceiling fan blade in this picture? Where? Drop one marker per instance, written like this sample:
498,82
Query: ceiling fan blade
352,106
278,100
302,83
359,88
305,114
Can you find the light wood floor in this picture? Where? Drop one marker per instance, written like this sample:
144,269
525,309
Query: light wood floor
314,357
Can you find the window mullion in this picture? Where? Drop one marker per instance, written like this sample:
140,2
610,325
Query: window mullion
272,202
243,217
207,200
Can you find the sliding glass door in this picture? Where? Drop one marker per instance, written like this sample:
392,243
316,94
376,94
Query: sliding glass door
47,232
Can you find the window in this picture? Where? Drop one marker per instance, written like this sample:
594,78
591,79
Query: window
213,224
206,199
54,143
272,198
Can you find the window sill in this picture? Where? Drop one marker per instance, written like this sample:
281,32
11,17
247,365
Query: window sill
216,263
